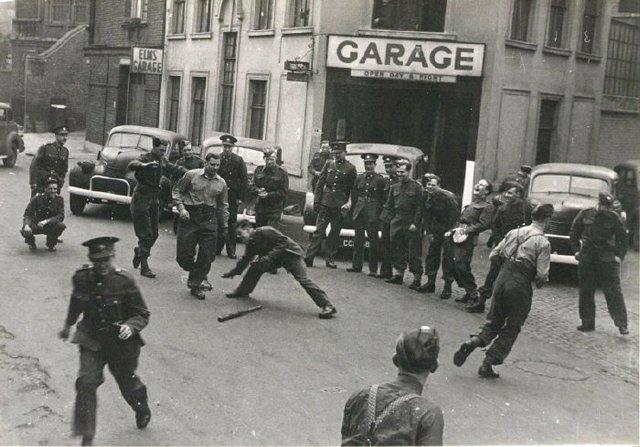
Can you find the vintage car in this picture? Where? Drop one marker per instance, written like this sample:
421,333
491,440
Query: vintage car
628,191
11,143
569,187
251,152
354,151
108,180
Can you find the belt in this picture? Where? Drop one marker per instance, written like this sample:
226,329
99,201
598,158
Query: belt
200,208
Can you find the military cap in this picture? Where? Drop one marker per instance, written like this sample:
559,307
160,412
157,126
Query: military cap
101,247
388,159
270,152
606,199
526,169
228,139
369,157
61,130
403,162
158,142
51,180
417,350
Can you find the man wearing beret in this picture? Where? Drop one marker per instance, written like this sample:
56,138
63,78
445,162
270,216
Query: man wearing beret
44,215
51,159
599,241
396,413
385,241
269,186
113,314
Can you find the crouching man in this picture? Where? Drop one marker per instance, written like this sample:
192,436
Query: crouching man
44,215
273,250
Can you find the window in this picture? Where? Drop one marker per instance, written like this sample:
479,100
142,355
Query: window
520,20
198,85
557,15
262,14
173,102
60,11
546,130
622,74
410,15
569,184
589,23
203,16
139,9
228,81
257,108
299,13
178,17
629,6
80,11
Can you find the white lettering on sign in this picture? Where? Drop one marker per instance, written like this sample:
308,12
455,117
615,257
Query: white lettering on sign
146,60
402,76
426,57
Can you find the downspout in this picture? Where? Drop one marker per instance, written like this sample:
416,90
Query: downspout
238,16
162,45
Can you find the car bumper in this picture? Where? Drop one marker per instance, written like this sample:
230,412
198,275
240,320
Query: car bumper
561,252
347,235
105,197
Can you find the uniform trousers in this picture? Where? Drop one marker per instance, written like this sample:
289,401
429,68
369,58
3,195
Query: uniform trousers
230,241
486,289
456,264
406,249
434,254
201,237
361,225
53,230
325,217
385,247
145,213
593,274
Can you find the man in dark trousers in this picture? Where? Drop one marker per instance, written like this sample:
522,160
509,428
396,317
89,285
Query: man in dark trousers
51,159
440,213
317,162
403,211
526,252
461,240
234,171
269,186
149,169
396,413
113,314
331,202
44,215
599,241
273,250
367,198
386,270
201,198
514,213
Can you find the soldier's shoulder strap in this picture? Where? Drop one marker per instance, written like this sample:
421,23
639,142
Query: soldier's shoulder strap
83,273
122,272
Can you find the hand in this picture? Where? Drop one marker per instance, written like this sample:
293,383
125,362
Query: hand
618,260
64,333
539,283
412,227
125,332
577,256
262,193
346,207
27,229
447,234
184,215
42,223
228,275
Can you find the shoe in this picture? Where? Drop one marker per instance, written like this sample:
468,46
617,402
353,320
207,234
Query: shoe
428,287
487,372
373,274
446,291
87,440
415,285
623,330
59,241
136,258
354,270
232,256
32,246
308,262
466,298
147,272
142,418
327,312
331,265
395,279
236,295
586,327
274,271
198,293
463,352
206,285
51,248
475,308
384,275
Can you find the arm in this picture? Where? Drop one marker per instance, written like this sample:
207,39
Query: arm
431,428
417,217
222,208
28,214
498,249
354,192
136,164
243,179
388,210
245,260
576,232
322,179
180,187
137,309
252,190
621,239
543,262
484,221
283,187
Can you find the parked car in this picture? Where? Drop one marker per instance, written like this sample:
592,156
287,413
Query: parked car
108,180
354,151
628,190
570,188
251,151
11,143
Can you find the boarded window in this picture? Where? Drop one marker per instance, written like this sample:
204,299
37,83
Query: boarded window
410,15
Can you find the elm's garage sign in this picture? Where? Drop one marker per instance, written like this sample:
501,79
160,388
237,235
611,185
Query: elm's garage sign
426,60
146,60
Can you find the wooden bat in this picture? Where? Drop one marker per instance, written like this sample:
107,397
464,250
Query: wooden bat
239,313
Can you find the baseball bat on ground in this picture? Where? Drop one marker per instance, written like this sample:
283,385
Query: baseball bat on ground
237,314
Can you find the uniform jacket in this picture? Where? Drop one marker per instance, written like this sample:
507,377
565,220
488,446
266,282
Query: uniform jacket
510,216
149,177
51,157
416,422
404,206
599,234
41,207
275,181
318,161
476,217
188,163
103,301
368,196
441,211
269,244
234,171
334,184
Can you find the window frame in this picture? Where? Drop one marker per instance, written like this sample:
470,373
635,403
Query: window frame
75,11
171,101
292,16
175,18
139,9
256,22
205,78
562,44
52,7
594,48
553,143
225,109
197,17
249,106
622,71
530,21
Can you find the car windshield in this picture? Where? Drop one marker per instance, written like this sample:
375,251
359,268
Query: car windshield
124,140
358,162
249,155
568,184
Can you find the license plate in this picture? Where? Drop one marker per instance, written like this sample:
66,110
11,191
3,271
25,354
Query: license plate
348,243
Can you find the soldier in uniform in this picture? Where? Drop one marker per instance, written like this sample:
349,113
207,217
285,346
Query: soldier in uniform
270,185
273,250
367,197
201,198
317,163
457,254
385,242
188,159
331,201
113,313
396,413
524,178
234,171
403,211
51,159
44,215
440,213
599,241
527,253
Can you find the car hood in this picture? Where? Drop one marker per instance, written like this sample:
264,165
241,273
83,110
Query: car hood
118,157
564,205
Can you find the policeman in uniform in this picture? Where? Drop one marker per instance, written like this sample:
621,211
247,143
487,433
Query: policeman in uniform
396,413
317,163
527,255
460,242
403,211
113,314
385,242
440,213
149,169
234,171
270,185
51,159
44,215
367,197
331,201
599,241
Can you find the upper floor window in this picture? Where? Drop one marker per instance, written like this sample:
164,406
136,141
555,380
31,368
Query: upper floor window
177,27
60,10
557,15
139,9
80,11
257,108
263,14
410,15
622,74
520,20
589,26
299,13
203,16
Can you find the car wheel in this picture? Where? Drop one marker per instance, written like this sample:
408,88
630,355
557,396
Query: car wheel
77,204
10,161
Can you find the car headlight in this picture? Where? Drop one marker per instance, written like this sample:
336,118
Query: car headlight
87,166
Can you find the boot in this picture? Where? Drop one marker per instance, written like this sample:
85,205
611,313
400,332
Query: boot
465,350
87,440
308,262
198,293
327,312
145,270
395,279
486,371
468,297
143,414
329,263
136,258
429,286
623,330
476,307
446,291
415,284
587,326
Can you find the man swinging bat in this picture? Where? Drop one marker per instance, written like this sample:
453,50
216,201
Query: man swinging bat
273,250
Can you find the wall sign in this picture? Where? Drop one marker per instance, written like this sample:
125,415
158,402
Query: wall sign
146,60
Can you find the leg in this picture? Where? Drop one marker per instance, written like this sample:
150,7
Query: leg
358,246
132,388
206,237
90,377
322,221
432,260
496,316
610,280
374,246
53,231
186,243
29,238
400,249
487,288
464,275
261,219
385,244
249,281
587,275
233,218
141,215
334,235
415,253
295,266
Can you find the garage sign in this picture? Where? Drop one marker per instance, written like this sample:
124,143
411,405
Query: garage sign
418,57
146,60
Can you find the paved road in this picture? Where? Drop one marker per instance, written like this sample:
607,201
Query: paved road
281,376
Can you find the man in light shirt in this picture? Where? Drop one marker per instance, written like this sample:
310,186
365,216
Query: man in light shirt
526,252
